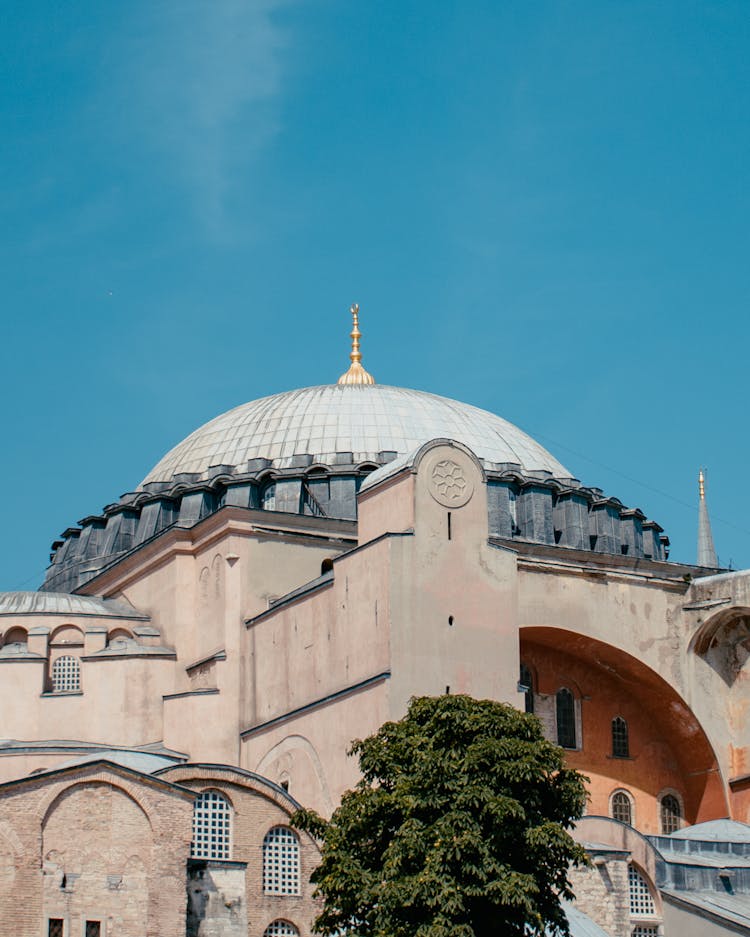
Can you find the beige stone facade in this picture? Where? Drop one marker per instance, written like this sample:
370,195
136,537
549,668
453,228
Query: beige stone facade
244,648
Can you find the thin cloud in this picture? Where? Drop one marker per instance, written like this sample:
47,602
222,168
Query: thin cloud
201,86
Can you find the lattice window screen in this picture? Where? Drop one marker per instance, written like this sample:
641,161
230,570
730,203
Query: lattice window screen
281,862
641,901
212,826
66,674
280,929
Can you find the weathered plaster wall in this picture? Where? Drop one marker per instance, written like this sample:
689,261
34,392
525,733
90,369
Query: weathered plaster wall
388,508
453,595
309,751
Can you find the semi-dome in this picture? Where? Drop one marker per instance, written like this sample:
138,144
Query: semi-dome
366,420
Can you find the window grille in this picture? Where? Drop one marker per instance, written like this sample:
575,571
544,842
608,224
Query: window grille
212,818
527,684
66,675
280,929
620,743
622,808
93,929
671,814
281,862
566,719
641,902
640,930
55,927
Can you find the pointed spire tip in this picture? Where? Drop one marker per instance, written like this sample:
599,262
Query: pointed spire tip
356,373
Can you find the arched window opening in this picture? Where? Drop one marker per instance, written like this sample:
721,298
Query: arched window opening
268,497
119,634
671,814
16,636
281,862
66,635
280,929
641,899
622,808
326,566
620,743
212,827
66,674
526,684
566,719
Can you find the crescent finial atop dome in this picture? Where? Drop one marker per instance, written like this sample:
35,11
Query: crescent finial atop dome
356,373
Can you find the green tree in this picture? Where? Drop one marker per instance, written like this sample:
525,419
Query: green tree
457,829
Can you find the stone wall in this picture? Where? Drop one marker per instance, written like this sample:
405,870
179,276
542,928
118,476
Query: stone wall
217,902
602,892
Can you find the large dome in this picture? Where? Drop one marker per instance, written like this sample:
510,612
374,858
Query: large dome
365,420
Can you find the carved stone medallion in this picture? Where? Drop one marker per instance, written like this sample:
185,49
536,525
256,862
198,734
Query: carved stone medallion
449,485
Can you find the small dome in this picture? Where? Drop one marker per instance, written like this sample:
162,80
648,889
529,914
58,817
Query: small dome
61,603
365,420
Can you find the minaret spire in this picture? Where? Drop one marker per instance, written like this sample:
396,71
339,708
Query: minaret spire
356,373
706,551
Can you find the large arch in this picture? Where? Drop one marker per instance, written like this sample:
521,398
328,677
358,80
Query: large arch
97,835
668,746
298,746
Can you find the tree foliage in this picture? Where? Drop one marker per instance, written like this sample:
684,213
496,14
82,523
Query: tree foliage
458,828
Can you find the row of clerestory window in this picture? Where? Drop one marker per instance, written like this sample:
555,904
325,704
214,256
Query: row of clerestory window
670,811
212,839
565,717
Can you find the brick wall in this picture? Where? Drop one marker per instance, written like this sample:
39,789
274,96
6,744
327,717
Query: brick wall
94,843
256,809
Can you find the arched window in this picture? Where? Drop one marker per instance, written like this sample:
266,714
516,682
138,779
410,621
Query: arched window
641,899
280,929
268,497
622,807
212,826
620,743
66,674
281,862
670,813
526,683
566,719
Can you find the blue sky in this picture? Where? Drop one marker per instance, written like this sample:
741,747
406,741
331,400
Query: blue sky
541,207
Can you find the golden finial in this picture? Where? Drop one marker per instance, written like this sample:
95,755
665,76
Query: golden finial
701,484
356,373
